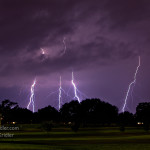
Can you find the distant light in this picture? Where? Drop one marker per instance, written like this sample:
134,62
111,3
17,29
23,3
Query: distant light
140,123
69,122
43,52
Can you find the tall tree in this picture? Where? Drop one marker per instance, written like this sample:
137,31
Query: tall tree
70,111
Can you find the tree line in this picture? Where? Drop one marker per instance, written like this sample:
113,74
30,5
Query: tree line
90,112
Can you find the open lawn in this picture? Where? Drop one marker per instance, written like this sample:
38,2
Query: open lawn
108,138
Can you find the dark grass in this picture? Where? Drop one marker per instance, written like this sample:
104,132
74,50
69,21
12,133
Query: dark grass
30,137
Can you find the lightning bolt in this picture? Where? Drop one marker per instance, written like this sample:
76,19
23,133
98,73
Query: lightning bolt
32,95
65,47
130,85
60,93
60,88
75,89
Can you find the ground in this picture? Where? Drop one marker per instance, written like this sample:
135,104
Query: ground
30,137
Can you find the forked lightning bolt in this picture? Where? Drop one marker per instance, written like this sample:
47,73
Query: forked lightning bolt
60,92
60,88
32,95
131,84
75,89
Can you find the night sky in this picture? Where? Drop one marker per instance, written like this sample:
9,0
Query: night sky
103,41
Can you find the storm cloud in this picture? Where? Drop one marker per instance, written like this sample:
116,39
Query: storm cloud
99,35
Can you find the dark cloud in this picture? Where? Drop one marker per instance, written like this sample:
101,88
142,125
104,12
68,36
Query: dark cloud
99,34
123,13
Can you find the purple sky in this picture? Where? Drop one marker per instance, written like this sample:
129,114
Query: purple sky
103,41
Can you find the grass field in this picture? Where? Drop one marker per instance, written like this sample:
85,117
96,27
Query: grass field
108,138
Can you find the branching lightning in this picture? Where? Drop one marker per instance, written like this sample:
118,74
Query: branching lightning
60,88
61,92
131,84
32,95
75,89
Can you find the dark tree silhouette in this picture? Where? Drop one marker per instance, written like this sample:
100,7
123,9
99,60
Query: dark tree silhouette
6,109
143,114
87,112
21,115
70,111
46,114
98,112
7,105
11,112
126,119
